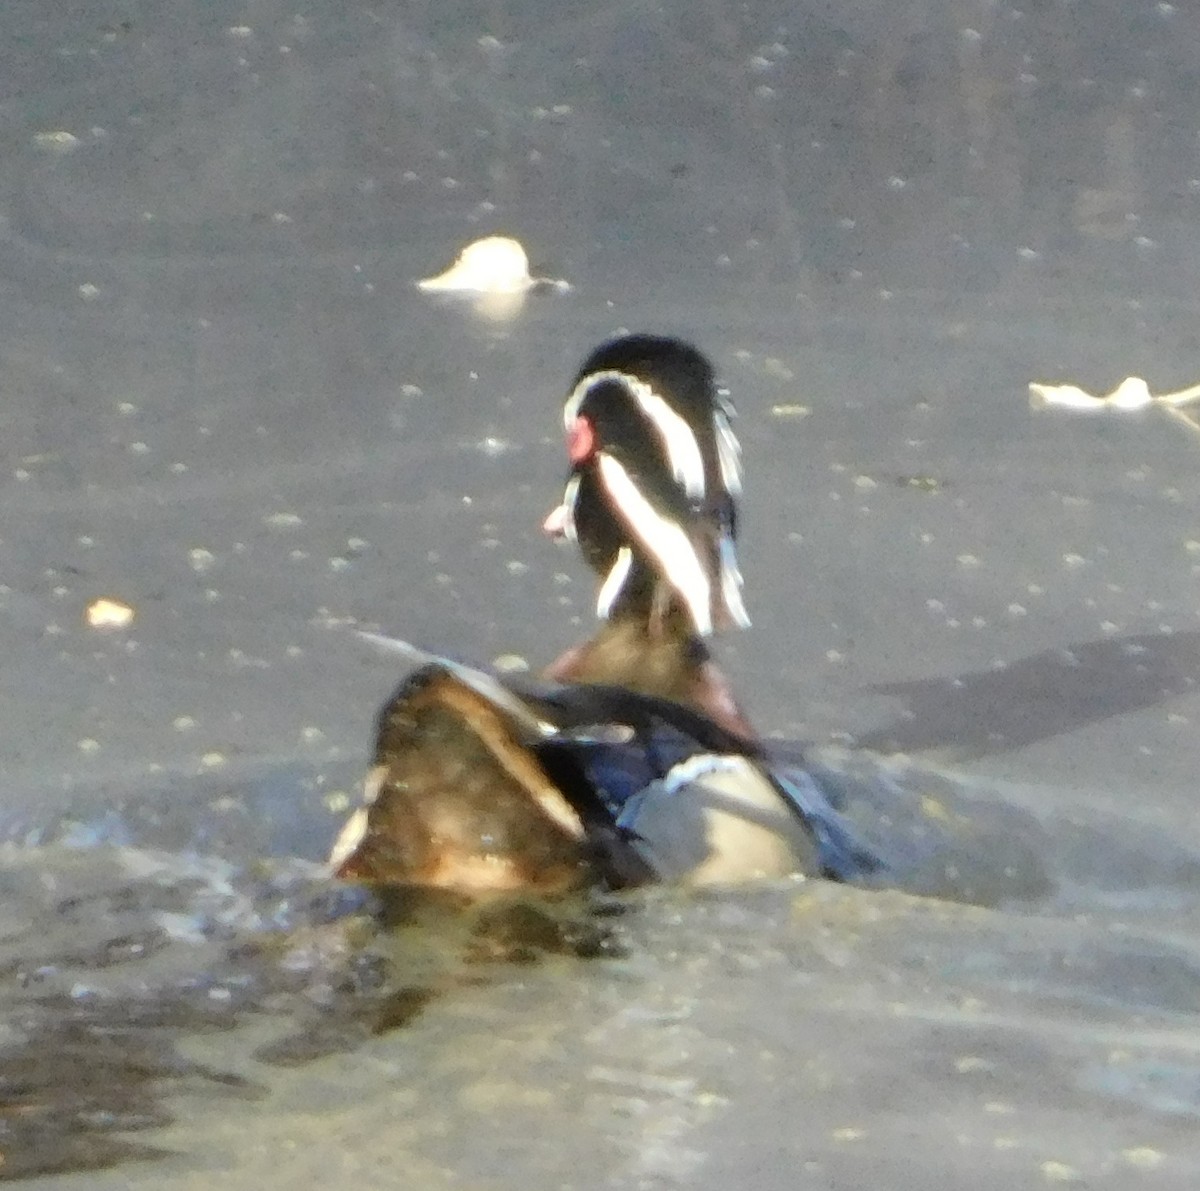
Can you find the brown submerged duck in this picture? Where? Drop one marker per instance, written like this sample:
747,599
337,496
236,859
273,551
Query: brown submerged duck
628,760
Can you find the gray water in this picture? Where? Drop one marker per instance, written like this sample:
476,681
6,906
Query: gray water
224,403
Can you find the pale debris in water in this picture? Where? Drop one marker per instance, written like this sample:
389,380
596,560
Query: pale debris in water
59,141
108,614
494,272
493,265
510,663
1131,394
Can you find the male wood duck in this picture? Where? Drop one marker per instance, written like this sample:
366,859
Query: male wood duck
627,761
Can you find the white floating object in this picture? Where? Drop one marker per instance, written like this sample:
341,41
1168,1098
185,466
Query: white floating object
494,274
108,614
59,141
1130,395
494,265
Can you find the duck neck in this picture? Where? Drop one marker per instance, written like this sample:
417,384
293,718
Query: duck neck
674,664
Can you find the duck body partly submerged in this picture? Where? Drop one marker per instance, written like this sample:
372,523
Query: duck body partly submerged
628,760
483,786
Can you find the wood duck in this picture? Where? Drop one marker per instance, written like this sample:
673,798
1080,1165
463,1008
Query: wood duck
627,760
651,499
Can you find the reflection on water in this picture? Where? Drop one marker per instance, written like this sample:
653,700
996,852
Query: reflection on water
140,985
112,958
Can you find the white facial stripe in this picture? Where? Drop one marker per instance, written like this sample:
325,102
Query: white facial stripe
729,453
683,451
679,562
615,581
570,498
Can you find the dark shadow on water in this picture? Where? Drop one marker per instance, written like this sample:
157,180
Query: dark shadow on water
1051,693
457,944
100,1057
86,1074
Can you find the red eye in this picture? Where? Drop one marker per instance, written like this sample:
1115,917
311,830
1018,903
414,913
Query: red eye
581,440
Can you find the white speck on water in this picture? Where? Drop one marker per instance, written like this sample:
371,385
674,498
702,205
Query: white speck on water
201,560
89,292
213,760
337,802
183,723
493,446
511,663
1059,1172
1073,560
88,745
283,520
967,560
59,141
514,566
106,613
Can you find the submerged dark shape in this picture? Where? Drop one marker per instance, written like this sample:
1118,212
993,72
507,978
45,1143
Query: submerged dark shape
629,760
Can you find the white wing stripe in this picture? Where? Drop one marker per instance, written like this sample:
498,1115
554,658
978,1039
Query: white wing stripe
731,584
729,454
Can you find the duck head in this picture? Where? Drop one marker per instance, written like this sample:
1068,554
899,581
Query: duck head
655,475
651,499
